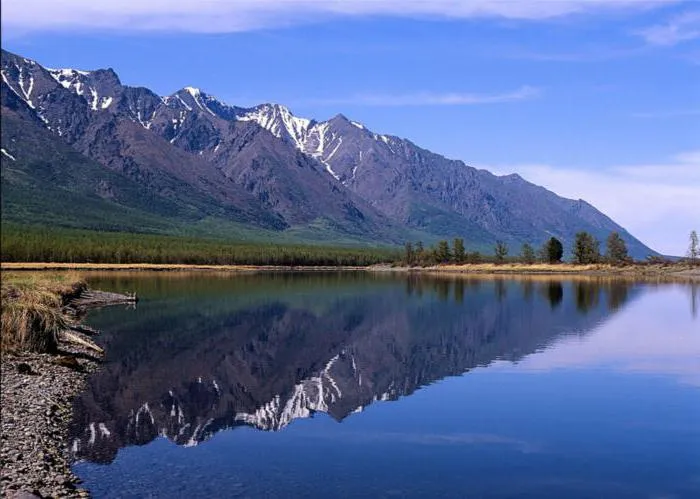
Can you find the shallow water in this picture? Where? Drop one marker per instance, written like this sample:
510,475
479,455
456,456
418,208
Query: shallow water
355,385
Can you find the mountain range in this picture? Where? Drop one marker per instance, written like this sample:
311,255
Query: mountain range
80,149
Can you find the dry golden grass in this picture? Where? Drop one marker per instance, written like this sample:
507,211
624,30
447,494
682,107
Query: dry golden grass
32,314
546,270
520,267
39,266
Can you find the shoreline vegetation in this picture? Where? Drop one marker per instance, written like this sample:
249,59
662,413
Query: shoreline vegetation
32,248
639,270
46,356
38,248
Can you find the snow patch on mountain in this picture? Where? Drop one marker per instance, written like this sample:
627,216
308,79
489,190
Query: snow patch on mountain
144,410
199,99
321,140
280,122
314,394
95,99
193,91
198,434
5,153
70,79
27,92
4,78
77,81
183,102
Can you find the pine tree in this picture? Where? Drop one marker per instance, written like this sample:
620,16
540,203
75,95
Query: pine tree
442,253
527,254
409,254
694,248
458,250
500,251
586,249
553,250
616,249
419,252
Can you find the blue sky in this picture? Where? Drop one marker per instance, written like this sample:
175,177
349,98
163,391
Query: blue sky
594,99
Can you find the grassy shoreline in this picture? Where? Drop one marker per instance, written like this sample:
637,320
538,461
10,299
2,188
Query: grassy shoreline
682,271
45,363
33,310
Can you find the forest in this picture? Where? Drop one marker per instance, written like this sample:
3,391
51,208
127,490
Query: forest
39,244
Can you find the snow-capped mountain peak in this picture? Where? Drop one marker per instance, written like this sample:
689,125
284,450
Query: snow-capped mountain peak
280,121
86,85
193,91
321,140
193,98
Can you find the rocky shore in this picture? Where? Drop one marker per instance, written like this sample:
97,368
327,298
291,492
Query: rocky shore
37,390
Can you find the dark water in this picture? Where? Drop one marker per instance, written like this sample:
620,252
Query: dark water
352,385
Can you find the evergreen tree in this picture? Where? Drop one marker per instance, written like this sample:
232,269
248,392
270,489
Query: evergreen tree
586,249
458,250
615,248
500,251
442,253
527,254
409,254
419,252
694,248
553,250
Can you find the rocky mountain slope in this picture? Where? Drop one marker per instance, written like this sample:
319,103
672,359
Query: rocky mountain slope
265,167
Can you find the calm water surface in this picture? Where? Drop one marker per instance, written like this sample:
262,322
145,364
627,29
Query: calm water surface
353,385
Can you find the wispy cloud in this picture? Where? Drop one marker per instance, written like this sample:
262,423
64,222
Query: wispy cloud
229,16
678,29
658,203
431,98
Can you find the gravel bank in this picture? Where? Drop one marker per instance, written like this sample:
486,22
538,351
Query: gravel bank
36,392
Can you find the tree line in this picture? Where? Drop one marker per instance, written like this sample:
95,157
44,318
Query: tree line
585,250
28,244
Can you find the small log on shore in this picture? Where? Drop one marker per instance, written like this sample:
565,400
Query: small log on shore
95,299
86,330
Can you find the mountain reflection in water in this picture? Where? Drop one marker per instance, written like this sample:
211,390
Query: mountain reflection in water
202,354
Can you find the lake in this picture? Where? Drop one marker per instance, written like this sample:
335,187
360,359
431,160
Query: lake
360,384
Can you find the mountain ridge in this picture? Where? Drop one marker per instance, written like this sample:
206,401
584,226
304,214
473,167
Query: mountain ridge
267,167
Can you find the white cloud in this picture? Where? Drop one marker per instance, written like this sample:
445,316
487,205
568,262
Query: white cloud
216,16
657,203
432,99
681,28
